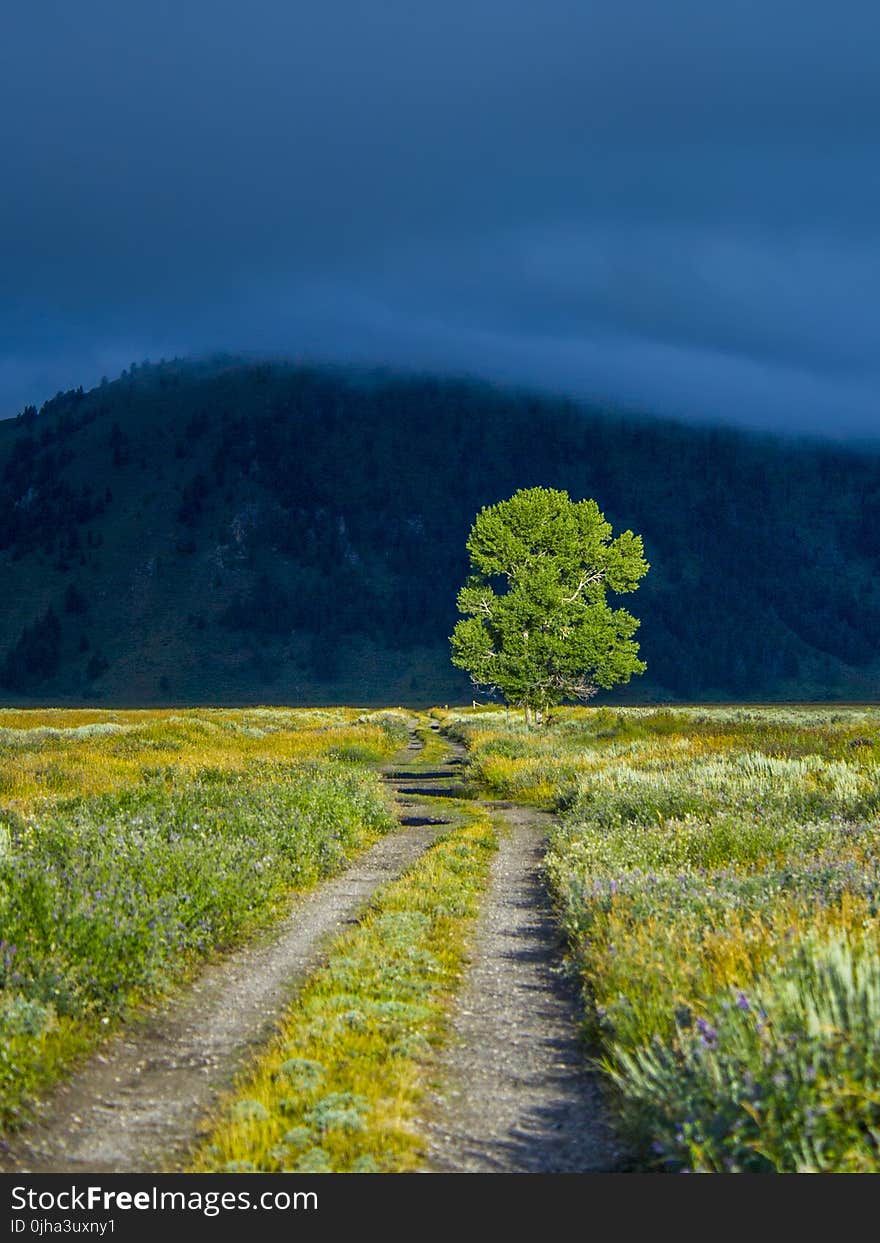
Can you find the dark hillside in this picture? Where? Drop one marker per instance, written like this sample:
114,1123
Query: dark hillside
236,532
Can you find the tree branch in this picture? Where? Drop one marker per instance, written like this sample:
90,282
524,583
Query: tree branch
586,581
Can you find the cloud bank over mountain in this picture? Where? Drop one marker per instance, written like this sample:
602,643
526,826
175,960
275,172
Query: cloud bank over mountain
670,206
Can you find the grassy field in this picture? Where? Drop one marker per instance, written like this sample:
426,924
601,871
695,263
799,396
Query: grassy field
717,875
716,872
134,844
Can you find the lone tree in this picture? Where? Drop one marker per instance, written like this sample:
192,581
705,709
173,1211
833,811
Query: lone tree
537,627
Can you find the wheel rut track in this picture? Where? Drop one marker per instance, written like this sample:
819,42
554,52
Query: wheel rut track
516,1094
137,1105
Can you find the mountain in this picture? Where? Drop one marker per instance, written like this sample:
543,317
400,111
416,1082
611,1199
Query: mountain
224,531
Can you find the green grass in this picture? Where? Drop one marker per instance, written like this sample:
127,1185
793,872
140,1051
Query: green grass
717,873
785,1077
339,1088
434,750
203,828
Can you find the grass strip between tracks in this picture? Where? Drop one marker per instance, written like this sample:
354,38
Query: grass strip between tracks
338,1089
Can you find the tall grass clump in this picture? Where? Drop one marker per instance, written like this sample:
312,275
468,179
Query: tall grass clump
784,1078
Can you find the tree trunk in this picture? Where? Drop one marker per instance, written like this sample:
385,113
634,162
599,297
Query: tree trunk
528,710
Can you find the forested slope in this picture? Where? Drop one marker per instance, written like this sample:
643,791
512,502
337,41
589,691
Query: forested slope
225,531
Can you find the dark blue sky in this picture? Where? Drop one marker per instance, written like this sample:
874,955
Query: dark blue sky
674,205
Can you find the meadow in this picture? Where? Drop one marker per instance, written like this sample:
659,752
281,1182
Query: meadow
135,844
716,873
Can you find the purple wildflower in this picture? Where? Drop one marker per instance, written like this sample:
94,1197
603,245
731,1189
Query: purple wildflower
707,1031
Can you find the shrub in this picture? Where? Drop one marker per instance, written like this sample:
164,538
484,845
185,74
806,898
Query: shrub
785,1078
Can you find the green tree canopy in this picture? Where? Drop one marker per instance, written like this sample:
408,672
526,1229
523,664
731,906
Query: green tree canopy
537,626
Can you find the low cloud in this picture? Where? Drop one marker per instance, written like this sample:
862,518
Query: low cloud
673,207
